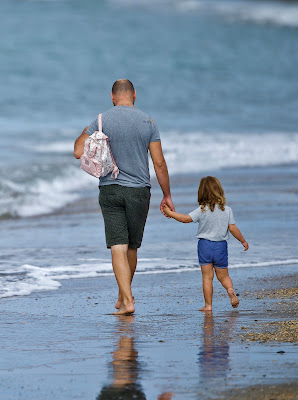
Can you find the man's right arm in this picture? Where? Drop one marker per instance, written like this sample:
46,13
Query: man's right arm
79,143
161,170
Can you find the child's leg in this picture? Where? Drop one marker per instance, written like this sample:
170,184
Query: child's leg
207,275
224,278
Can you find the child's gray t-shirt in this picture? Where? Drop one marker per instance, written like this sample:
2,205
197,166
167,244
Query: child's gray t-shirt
213,225
130,131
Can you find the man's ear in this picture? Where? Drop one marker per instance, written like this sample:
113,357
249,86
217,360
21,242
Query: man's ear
134,95
112,97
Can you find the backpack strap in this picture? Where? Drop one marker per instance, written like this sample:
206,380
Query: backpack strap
99,123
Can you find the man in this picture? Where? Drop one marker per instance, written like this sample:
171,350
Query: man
125,201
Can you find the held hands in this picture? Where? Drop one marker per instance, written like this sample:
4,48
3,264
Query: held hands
167,203
167,211
245,245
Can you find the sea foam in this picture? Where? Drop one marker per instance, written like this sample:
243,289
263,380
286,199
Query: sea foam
199,151
258,12
261,12
40,192
40,195
28,279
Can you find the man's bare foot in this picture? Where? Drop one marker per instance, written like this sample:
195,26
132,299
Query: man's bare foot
206,308
125,309
118,304
233,298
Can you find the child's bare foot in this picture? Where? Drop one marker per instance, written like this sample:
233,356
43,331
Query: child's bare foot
233,298
125,309
118,304
206,308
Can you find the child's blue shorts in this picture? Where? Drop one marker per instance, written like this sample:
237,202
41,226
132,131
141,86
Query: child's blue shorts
213,252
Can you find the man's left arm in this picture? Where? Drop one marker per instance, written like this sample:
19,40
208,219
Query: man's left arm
162,174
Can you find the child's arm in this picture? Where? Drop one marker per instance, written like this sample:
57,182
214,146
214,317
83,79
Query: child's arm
178,217
237,234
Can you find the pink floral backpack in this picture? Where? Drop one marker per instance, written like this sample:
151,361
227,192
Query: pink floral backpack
97,159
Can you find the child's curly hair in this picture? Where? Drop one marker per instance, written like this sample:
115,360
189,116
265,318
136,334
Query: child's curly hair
210,193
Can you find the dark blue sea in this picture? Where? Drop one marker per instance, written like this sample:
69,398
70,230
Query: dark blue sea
219,77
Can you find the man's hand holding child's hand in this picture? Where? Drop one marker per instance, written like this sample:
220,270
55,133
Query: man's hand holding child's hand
166,211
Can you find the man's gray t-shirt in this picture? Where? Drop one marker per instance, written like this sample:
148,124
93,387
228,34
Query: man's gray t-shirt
213,225
130,131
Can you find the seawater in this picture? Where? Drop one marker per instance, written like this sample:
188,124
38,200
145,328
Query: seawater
220,79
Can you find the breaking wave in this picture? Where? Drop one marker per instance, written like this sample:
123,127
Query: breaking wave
27,279
261,12
43,188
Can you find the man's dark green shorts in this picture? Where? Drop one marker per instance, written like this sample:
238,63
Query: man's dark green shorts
124,210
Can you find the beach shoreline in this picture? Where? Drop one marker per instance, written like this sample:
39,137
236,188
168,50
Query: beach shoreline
287,391
61,343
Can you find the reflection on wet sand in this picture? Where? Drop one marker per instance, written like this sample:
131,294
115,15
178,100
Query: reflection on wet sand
214,353
165,396
125,367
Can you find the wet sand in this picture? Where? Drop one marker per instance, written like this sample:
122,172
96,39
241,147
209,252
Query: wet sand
270,392
283,325
64,345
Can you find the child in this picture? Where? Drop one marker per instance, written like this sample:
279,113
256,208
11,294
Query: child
215,220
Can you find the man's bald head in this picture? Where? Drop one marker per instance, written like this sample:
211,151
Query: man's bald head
123,86
123,92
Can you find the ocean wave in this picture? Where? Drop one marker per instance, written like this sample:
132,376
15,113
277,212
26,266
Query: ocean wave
196,152
200,151
42,188
258,12
28,279
261,12
56,147
29,192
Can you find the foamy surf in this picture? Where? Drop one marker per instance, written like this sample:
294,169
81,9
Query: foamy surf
200,151
36,194
257,12
261,12
46,188
215,150
28,279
